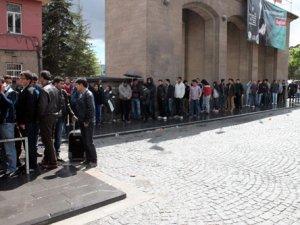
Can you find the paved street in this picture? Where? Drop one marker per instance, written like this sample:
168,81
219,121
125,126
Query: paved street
223,172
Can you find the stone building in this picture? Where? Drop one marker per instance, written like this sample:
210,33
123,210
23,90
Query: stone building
188,38
20,36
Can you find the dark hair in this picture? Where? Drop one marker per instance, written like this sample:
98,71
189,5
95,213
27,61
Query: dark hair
204,82
57,79
46,75
160,80
222,80
34,77
168,80
7,77
27,74
82,81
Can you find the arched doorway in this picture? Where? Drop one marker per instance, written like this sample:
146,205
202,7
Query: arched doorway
199,28
237,50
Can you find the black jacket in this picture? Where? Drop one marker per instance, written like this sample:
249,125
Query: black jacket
170,91
49,101
26,106
86,107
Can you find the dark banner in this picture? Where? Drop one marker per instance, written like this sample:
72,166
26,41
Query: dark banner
266,24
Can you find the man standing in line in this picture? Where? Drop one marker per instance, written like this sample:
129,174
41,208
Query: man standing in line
26,113
48,109
86,118
8,98
178,95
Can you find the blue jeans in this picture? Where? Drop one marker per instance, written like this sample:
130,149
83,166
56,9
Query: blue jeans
98,109
7,131
274,98
206,103
194,107
59,129
136,108
170,107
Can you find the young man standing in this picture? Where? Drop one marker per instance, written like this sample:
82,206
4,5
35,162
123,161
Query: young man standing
26,113
8,98
86,118
48,110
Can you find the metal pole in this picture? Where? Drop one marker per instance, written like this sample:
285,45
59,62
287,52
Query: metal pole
27,155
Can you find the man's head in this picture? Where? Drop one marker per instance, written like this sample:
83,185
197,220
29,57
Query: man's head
8,79
45,77
35,79
81,84
25,78
58,82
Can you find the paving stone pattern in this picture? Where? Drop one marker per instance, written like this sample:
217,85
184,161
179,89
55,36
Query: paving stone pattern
224,172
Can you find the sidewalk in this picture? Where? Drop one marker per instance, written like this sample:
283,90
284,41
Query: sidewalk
70,190
53,195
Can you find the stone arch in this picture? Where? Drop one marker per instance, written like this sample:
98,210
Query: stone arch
237,49
199,29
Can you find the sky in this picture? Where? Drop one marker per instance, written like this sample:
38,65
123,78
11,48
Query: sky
94,15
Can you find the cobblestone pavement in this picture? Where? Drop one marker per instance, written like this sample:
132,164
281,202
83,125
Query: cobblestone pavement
237,174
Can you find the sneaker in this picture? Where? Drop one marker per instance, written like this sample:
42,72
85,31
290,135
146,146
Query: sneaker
181,117
159,117
91,165
59,159
85,162
165,118
10,174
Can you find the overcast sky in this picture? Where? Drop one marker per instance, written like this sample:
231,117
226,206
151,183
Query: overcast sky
94,15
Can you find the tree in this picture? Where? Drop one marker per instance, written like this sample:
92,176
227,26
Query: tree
66,51
82,60
294,63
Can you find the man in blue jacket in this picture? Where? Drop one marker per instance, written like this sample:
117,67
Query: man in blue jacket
8,98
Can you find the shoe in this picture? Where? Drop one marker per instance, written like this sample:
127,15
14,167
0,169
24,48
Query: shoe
91,165
85,162
10,174
181,117
51,166
164,118
159,117
59,159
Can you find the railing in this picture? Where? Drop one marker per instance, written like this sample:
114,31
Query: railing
26,149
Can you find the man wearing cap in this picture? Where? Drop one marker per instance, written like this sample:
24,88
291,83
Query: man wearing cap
48,109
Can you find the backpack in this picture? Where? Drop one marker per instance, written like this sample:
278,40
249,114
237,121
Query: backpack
206,90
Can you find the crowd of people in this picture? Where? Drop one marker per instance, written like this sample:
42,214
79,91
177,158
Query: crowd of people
36,107
39,106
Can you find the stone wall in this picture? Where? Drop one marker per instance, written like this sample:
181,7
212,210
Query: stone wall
188,38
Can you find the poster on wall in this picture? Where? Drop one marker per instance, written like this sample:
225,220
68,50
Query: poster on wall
266,24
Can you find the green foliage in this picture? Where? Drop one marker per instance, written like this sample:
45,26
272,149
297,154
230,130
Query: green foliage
66,51
294,63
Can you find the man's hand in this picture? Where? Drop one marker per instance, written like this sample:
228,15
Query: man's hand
85,124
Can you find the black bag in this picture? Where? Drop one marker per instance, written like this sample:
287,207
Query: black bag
76,148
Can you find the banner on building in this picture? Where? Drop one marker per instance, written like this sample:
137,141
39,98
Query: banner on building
266,24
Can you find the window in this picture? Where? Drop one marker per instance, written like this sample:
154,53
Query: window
13,69
14,19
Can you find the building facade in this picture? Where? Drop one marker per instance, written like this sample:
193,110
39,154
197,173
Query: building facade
188,38
20,35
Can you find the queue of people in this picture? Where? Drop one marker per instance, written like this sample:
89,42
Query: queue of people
41,107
